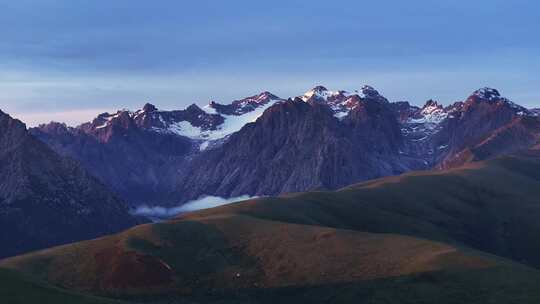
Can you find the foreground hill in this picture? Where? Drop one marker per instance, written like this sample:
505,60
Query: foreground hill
466,235
19,289
48,200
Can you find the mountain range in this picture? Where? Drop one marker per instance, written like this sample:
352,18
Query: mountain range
265,145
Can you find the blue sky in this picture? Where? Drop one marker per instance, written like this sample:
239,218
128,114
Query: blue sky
71,59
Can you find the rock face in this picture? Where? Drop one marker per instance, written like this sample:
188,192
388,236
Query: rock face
142,155
46,199
299,145
141,165
321,140
482,116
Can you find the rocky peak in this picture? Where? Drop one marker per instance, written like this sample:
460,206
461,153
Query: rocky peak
319,89
255,100
492,97
54,128
429,116
267,95
342,102
149,108
12,131
193,108
7,121
432,103
368,91
122,119
319,93
432,106
487,94
242,106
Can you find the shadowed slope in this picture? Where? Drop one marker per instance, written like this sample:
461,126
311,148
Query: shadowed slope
46,199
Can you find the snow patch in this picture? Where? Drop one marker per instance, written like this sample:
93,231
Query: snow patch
185,128
209,109
108,119
321,93
232,124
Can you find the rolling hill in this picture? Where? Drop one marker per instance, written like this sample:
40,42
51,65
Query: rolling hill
464,235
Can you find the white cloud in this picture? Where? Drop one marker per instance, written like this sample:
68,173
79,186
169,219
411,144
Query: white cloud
159,212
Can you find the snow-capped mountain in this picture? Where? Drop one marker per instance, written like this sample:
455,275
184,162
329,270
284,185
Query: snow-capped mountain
266,145
213,122
142,154
431,114
341,102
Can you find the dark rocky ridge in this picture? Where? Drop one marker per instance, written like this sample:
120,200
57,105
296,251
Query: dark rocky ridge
140,165
46,199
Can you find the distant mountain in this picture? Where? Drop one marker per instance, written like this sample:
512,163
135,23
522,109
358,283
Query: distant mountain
466,235
480,119
142,154
46,199
304,144
329,139
215,122
266,145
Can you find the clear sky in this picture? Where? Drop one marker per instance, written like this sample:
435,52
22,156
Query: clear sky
71,59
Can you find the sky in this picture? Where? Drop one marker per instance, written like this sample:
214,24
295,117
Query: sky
68,60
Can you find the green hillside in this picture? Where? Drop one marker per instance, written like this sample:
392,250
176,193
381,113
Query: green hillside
465,235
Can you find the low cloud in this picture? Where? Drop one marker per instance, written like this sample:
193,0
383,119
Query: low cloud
157,213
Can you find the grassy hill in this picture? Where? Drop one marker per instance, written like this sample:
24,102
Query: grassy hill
465,235
19,289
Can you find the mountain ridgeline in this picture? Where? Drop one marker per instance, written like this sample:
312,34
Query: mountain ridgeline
265,145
